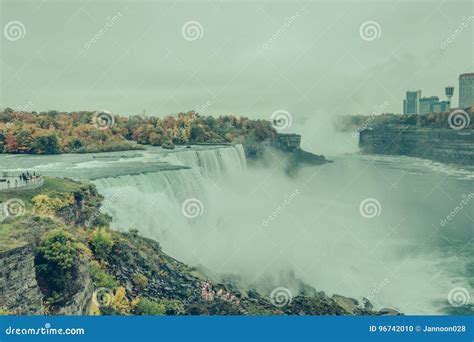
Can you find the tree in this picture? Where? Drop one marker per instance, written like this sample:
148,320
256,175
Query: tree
57,262
46,144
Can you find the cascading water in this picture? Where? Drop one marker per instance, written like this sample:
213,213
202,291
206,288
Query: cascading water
155,203
205,208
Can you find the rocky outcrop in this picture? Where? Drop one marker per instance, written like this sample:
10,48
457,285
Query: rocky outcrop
19,291
79,303
439,144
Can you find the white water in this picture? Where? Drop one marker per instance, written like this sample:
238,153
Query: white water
396,259
401,258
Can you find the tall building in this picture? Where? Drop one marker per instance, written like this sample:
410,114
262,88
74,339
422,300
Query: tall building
411,103
466,90
442,106
427,104
449,91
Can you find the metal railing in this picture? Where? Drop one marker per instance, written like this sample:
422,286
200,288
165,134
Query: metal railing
14,183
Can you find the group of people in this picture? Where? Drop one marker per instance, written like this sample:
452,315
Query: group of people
207,293
24,179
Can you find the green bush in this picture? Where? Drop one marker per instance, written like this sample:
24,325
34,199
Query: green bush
102,243
101,278
57,259
147,307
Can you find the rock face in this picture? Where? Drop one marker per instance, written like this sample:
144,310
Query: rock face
79,302
19,291
287,142
439,144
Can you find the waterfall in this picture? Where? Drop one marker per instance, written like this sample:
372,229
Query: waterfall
155,203
213,162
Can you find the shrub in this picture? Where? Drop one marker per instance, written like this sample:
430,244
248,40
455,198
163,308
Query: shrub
147,307
45,205
101,242
57,259
140,281
101,278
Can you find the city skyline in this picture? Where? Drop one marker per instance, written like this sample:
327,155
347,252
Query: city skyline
414,103
288,56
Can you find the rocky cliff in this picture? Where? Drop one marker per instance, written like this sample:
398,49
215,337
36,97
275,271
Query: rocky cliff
50,264
19,291
439,144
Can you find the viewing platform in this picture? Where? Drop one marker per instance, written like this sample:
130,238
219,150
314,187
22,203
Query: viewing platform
23,181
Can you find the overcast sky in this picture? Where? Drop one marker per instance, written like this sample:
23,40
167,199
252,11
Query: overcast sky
309,58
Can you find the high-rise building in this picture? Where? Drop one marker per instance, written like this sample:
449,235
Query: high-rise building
411,103
466,90
442,106
449,91
427,104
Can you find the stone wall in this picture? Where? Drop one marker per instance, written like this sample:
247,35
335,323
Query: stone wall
19,291
287,142
444,145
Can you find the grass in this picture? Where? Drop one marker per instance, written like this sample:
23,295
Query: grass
15,232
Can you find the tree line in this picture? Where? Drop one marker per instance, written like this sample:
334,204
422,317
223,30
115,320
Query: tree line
76,132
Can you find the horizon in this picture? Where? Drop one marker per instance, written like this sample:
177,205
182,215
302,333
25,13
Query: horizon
311,59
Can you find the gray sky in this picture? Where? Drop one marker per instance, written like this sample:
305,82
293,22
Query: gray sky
308,58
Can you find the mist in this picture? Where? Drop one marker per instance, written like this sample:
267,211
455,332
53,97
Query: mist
269,229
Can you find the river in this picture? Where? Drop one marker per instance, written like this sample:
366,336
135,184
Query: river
396,230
